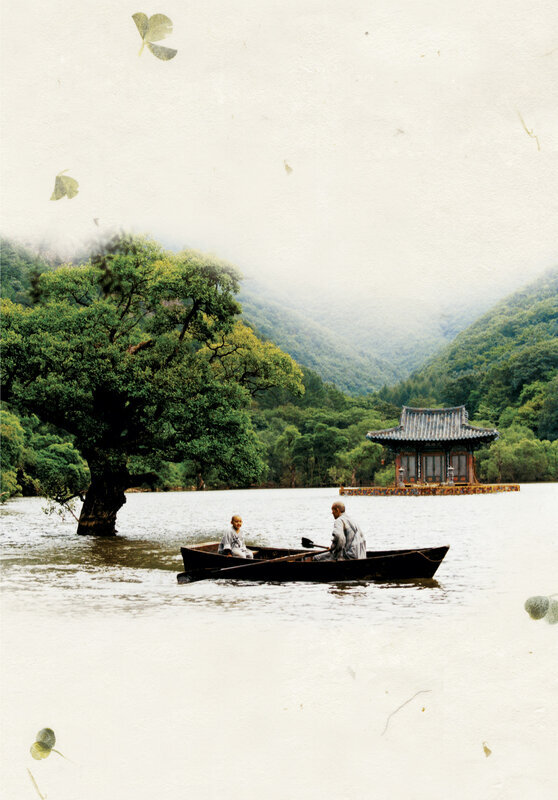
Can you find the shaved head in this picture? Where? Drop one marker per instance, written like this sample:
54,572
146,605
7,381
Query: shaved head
338,504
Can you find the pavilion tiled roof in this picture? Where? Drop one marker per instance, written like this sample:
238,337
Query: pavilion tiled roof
433,425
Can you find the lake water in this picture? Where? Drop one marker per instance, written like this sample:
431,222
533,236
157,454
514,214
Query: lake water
239,689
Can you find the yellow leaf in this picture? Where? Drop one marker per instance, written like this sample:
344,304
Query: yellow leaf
40,751
64,186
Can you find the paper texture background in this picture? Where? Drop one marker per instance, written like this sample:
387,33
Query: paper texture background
422,143
399,121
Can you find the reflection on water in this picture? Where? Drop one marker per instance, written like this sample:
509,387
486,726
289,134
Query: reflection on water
132,554
351,587
45,561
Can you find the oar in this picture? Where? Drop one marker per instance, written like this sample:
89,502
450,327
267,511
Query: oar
218,573
309,543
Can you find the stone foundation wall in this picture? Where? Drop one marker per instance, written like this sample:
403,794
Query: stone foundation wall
419,490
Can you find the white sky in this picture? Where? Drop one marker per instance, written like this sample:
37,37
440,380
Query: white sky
399,119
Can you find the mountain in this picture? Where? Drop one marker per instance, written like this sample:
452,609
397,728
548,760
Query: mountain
357,340
359,344
332,356
504,367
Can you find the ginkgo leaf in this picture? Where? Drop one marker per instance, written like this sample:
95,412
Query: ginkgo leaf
552,613
487,750
46,736
64,186
141,23
537,606
39,750
157,27
164,53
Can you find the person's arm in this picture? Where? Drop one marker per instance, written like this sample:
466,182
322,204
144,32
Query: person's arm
225,547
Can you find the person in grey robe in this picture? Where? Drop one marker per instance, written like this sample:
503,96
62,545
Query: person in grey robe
347,540
232,543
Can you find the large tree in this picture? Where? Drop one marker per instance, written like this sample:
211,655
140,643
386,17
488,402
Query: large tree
115,351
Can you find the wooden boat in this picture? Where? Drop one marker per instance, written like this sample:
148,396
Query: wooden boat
203,561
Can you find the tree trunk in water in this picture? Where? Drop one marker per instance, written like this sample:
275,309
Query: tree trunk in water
104,498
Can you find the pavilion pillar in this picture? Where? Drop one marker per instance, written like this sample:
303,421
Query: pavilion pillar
397,468
470,467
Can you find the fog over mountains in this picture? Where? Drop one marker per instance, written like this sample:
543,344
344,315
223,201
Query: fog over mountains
361,341
357,334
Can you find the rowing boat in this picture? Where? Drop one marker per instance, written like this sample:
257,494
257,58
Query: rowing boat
203,561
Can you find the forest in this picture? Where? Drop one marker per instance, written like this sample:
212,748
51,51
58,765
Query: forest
136,368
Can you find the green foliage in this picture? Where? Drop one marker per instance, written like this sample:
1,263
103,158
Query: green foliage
136,354
19,271
112,352
504,360
350,338
516,456
319,439
61,471
318,347
37,460
503,368
385,476
11,452
551,449
548,416
239,356
359,465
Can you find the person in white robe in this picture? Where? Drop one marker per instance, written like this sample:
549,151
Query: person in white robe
232,543
347,540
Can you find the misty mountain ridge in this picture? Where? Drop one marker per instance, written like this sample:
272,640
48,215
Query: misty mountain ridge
503,367
359,344
355,335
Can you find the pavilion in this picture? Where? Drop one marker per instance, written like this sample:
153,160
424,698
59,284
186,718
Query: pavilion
433,450
434,445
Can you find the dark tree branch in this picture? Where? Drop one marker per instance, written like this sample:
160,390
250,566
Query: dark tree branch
192,313
135,348
78,301
127,330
